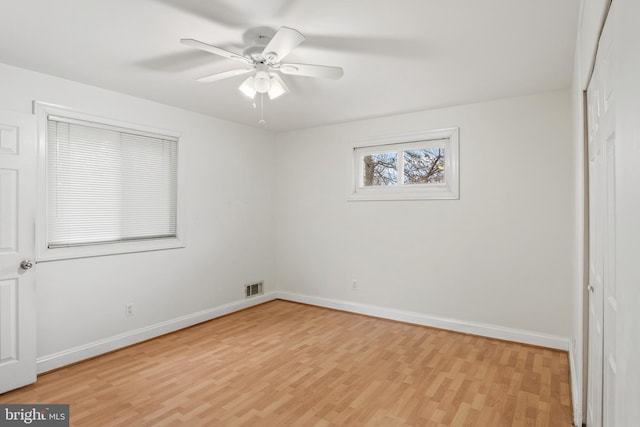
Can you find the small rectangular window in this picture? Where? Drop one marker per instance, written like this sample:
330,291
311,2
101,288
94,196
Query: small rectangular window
107,186
405,167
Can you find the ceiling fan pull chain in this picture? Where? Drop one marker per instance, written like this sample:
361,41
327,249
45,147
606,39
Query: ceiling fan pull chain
261,109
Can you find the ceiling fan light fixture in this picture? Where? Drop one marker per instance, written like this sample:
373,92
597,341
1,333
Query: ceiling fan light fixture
248,87
262,82
276,89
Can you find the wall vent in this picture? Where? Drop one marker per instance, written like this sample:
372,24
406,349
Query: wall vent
253,289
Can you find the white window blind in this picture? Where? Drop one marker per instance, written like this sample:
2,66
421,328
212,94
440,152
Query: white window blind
107,184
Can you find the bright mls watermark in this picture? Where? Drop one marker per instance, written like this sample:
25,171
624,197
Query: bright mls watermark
34,415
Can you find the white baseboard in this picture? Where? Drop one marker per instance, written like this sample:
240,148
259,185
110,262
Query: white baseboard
96,348
576,391
482,329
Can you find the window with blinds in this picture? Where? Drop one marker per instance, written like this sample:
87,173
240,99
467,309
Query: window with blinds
108,184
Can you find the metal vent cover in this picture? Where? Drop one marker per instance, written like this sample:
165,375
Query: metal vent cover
252,289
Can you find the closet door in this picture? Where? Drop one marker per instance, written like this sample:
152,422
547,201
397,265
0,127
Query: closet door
603,312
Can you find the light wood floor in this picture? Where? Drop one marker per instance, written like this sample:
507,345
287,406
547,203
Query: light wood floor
288,364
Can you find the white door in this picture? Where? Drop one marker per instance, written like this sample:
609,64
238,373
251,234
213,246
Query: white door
17,245
602,283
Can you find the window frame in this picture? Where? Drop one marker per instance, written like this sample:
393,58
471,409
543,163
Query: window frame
446,138
43,253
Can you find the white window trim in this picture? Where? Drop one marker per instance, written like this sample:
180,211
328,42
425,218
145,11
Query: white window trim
434,138
43,252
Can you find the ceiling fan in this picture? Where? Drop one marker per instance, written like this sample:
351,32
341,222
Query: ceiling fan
263,59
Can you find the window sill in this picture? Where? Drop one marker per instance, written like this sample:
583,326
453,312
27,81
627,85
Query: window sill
437,193
88,251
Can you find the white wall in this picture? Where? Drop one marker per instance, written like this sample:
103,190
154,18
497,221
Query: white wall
230,196
501,255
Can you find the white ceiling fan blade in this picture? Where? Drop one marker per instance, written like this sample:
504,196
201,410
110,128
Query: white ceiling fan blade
224,75
213,49
310,70
285,40
278,88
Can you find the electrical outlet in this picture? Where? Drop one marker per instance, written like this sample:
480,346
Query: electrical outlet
354,285
128,310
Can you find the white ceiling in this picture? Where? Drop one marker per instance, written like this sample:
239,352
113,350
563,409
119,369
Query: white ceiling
398,55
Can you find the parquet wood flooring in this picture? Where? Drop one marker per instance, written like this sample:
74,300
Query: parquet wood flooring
289,364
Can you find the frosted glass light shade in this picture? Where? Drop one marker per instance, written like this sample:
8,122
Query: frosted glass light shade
276,89
262,82
248,87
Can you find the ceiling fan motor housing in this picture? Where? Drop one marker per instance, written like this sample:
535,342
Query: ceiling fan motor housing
255,50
